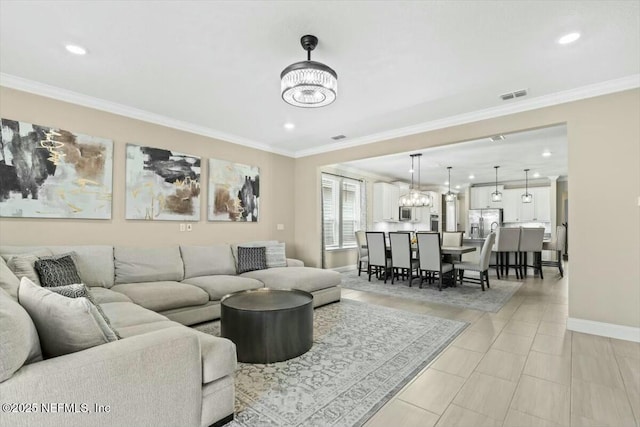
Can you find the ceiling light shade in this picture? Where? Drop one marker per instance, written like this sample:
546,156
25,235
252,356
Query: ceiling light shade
415,198
527,197
75,49
449,197
496,196
569,38
309,84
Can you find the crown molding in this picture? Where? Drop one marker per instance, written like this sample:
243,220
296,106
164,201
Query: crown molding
42,89
583,92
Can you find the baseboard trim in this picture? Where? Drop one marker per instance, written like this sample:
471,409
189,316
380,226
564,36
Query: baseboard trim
621,332
345,268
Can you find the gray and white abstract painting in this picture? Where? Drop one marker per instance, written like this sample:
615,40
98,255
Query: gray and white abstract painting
54,173
162,184
234,192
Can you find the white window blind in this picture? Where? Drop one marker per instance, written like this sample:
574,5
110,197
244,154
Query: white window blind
341,211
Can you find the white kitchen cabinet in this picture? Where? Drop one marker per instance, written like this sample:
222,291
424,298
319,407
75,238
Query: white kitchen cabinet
481,197
385,202
435,203
516,211
542,203
511,205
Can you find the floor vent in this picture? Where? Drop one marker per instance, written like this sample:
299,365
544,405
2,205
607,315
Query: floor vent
338,137
514,94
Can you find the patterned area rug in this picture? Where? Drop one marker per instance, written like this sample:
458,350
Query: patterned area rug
469,295
362,355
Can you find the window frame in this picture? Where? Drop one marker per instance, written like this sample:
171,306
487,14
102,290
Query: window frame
338,222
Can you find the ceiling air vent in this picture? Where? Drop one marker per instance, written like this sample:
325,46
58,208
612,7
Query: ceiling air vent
514,94
338,137
497,138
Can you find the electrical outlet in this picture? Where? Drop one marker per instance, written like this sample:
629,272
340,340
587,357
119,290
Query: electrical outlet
280,227
189,227
182,227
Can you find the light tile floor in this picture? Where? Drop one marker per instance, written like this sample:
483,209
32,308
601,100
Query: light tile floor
517,367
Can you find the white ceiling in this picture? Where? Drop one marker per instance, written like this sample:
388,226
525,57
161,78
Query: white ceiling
515,153
215,65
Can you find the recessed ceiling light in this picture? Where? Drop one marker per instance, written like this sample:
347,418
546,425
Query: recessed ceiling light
411,171
289,126
446,183
536,175
569,38
457,186
471,176
75,49
546,154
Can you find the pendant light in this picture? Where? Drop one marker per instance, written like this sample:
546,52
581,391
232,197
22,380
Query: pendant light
527,197
415,198
449,197
496,196
309,84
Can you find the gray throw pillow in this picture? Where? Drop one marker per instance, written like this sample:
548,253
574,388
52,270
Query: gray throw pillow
57,271
65,325
250,259
79,290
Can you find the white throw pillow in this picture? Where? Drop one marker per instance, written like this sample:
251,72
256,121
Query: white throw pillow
276,255
65,325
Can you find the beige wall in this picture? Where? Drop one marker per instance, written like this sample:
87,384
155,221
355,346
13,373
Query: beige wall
276,185
604,171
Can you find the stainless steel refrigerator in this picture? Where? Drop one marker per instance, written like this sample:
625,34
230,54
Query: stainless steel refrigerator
484,221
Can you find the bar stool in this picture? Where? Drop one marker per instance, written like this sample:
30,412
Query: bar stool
531,241
507,241
558,246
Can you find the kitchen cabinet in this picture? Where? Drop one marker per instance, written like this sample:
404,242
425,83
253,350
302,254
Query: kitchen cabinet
538,210
511,205
481,197
435,203
542,203
385,202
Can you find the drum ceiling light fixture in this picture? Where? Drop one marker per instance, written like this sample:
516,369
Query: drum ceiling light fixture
309,84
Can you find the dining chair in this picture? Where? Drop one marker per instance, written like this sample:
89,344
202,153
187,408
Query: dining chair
507,242
363,252
452,238
402,263
378,261
531,240
430,258
557,245
482,266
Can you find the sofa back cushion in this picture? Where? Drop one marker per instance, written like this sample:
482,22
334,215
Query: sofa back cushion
8,281
135,265
207,260
65,325
94,263
23,265
19,343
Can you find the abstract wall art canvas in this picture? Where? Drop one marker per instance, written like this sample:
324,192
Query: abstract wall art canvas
54,173
162,184
234,192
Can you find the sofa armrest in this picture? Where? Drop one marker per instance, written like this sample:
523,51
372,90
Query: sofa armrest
152,379
294,263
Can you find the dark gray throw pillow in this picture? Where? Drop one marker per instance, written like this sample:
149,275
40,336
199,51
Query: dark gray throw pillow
79,290
57,271
250,259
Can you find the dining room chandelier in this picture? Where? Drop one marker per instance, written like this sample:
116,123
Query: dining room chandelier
449,197
496,196
526,197
309,84
415,198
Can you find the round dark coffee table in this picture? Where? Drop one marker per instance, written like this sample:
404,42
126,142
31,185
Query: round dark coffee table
268,325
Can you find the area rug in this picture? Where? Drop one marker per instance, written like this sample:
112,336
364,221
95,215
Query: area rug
362,355
468,295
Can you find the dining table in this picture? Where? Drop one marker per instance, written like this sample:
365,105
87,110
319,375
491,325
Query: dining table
446,250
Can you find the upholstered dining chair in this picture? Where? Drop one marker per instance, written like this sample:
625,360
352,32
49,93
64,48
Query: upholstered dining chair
378,261
507,242
363,252
430,257
557,245
531,240
482,266
402,263
452,238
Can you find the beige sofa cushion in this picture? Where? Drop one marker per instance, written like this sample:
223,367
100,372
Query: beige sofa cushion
219,286
19,342
8,281
23,265
165,295
136,265
125,314
303,278
65,325
207,260
103,295
94,263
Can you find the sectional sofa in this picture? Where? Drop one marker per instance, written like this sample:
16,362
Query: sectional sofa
169,374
